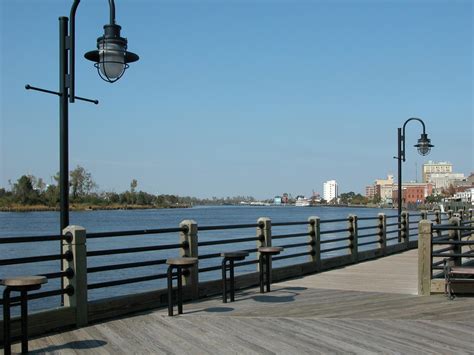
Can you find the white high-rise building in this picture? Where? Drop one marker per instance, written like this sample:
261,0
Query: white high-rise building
330,190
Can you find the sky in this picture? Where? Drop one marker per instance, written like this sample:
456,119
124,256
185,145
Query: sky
241,97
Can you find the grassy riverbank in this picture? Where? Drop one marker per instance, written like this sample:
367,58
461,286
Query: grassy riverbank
84,207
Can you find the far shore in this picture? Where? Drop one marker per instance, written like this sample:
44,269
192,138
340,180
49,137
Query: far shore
84,207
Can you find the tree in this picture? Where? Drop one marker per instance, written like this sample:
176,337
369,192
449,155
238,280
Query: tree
23,191
81,183
133,186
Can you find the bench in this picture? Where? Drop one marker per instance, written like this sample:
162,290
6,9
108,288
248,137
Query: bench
454,274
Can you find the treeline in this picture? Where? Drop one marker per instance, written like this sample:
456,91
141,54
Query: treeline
30,191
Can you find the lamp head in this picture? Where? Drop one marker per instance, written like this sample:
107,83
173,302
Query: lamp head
111,57
424,145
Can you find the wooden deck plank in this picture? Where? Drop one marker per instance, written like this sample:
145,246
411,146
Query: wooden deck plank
299,316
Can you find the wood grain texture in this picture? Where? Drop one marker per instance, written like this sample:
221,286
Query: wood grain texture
302,316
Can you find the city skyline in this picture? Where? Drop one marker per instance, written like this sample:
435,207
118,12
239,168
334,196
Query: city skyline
242,98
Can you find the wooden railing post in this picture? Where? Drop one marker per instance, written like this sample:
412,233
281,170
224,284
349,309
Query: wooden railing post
424,257
353,238
314,231
75,265
455,235
405,228
471,218
264,236
382,232
450,214
424,215
189,238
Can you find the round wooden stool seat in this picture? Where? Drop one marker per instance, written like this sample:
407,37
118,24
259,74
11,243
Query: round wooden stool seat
235,254
23,281
22,284
270,250
183,262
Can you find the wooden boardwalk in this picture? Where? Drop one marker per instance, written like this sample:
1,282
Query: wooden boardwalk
365,308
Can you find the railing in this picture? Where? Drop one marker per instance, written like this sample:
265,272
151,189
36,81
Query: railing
92,273
450,242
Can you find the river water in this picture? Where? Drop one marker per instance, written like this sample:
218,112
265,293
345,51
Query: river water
44,223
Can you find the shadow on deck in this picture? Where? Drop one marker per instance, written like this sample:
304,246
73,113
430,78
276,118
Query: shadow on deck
306,315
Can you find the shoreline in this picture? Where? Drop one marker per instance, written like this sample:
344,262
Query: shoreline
85,207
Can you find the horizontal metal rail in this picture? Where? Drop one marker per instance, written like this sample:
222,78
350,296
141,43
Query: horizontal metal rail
334,249
275,258
327,241
227,241
392,231
362,236
442,250
392,216
440,227
15,301
31,259
392,224
459,255
292,235
209,256
454,242
366,228
282,224
125,266
333,220
369,243
335,231
288,246
228,226
367,218
134,232
391,238
132,250
32,239
127,281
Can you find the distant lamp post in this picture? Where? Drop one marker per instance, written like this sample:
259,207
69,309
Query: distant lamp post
423,146
111,60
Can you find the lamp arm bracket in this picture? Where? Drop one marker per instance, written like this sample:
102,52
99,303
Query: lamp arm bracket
29,87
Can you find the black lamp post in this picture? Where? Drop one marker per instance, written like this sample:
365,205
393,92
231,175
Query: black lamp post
424,147
111,60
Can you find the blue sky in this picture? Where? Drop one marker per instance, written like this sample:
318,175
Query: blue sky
242,97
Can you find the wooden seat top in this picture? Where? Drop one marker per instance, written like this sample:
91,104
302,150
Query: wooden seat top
462,270
235,254
19,281
184,261
270,250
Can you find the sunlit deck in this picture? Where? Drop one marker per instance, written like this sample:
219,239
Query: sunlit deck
364,308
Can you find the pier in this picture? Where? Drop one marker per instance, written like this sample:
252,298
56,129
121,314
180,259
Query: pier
346,285
363,308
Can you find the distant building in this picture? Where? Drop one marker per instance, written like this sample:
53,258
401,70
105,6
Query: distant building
330,190
442,181
284,198
432,167
466,195
382,188
370,191
413,192
277,200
